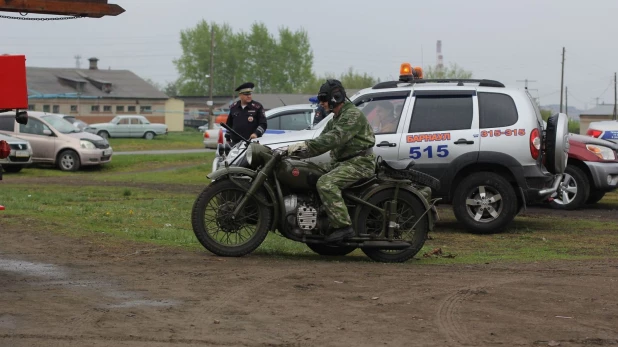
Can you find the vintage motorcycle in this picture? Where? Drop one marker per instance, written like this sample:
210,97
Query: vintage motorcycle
273,190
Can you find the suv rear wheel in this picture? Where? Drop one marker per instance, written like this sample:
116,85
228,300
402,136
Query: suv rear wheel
573,191
557,143
485,202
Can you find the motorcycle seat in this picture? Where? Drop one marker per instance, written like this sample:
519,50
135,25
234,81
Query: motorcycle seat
405,164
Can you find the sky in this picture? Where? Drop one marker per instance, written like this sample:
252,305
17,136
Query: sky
508,41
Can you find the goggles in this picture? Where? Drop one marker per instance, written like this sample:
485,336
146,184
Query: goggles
323,97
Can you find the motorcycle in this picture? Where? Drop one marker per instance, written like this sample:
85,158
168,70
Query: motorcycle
273,190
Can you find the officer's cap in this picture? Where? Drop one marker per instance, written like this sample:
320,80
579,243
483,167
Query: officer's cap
245,88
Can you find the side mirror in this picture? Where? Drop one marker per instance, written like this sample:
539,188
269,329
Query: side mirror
21,117
47,132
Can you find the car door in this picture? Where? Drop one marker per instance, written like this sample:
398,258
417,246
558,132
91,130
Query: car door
122,128
383,111
442,127
43,145
136,127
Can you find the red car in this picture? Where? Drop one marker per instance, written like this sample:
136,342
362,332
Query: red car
591,172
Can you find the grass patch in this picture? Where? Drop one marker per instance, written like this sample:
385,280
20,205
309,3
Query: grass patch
131,210
188,139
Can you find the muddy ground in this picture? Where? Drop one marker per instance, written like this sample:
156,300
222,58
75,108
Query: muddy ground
60,291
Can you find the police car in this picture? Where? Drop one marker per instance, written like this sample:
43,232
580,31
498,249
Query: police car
485,142
605,130
280,120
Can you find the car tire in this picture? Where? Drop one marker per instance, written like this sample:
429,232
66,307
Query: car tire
595,196
103,134
149,135
12,168
573,191
557,143
475,204
68,160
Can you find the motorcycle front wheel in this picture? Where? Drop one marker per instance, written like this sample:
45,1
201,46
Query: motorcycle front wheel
409,210
214,226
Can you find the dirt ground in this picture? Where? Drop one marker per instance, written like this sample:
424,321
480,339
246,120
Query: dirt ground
56,291
60,291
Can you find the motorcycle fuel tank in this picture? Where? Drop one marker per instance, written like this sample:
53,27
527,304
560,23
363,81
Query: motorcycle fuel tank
298,175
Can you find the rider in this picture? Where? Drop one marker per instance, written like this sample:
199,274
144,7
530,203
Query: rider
350,140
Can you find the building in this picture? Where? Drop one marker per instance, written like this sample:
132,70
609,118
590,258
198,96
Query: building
598,113
94,96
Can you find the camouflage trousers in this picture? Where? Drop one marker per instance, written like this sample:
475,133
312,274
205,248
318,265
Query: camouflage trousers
341,175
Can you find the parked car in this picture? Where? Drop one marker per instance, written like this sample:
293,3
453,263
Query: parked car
280,120
128,126
79,124
20,154
592,171
485,142
606,130
56,141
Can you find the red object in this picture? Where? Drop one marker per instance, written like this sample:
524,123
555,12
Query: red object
13,87
295,172
220,139
594,133
1,208
5,149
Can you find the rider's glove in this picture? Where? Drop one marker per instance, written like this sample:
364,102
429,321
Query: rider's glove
297,147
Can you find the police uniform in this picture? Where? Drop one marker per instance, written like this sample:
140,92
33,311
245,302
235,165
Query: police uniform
247,120
320,113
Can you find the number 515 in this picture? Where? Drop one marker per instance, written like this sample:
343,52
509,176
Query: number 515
417,152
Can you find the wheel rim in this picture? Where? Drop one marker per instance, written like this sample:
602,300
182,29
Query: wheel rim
484,204
567,191
149,136
219,224
405,219
67,161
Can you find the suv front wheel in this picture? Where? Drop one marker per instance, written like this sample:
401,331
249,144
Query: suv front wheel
485,202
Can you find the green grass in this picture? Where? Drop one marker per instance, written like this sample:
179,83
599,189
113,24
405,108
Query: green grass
148,198
188,139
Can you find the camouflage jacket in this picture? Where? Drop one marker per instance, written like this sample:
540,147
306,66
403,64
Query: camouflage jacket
344,135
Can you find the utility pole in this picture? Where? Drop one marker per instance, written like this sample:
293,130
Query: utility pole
78,64
566,101
211,111
597,99
562,80
615,97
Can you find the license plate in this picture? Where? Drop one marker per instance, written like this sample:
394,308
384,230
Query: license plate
22,154
107,152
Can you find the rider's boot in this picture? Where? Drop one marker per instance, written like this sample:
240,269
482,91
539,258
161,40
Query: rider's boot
340,234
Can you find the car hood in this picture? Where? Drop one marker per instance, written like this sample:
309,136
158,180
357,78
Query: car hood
593,141
87,136
291,137
98,125
11,139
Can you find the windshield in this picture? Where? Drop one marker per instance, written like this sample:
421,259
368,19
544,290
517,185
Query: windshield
60,124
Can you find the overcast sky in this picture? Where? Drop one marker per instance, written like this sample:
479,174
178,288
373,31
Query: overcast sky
507,41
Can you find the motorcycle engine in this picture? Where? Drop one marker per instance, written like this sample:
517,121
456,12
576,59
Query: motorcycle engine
304,212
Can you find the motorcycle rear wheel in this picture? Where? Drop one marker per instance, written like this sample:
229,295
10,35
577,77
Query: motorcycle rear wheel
409,209
217,231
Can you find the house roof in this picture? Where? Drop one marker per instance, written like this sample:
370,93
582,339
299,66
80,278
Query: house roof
600,110
57,82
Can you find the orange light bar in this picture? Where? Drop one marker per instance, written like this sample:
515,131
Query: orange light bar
405,69
418,71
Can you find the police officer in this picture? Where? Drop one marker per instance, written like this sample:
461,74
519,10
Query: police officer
350,140
246,117
320,113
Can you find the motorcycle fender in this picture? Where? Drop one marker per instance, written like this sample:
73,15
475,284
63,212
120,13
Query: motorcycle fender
378,188
235,170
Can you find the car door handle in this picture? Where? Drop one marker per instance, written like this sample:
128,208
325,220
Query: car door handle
386,144
464,142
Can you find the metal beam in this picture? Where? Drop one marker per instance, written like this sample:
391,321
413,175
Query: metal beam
85,8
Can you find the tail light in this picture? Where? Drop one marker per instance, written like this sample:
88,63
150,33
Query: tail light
206,135
220,139
5,149
594,133
535,144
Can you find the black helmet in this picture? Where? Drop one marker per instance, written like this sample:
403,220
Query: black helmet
333,92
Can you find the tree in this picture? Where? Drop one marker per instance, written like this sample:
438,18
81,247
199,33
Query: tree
153,83
171,89
453,71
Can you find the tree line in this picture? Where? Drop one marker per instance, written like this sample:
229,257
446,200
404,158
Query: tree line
282,64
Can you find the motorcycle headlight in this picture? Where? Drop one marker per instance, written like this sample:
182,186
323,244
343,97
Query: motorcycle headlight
87,144
249,155
602,152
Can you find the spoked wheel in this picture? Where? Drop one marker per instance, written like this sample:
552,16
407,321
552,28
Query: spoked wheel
215,228
409,210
